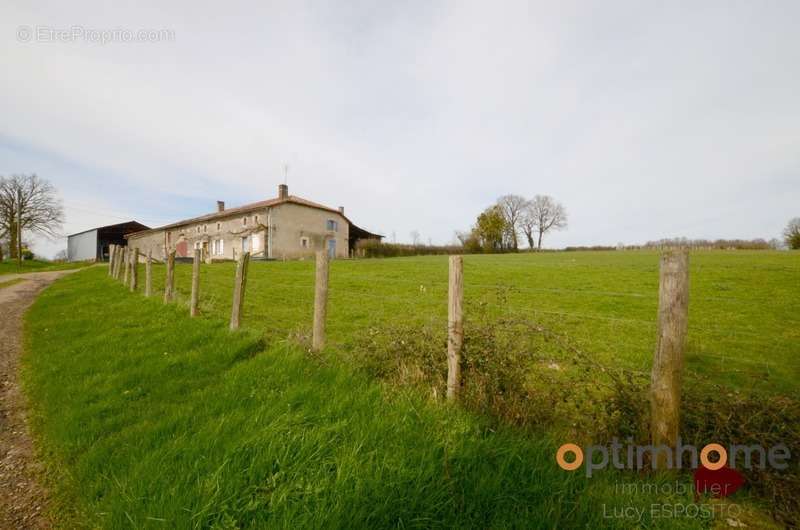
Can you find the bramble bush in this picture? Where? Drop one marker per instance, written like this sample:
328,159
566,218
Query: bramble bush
517,372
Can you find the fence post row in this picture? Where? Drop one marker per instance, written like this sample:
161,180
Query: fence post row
169,284
665,390
320,301
135,270
455,326
148,274
195,283
665,386
111,249
238,289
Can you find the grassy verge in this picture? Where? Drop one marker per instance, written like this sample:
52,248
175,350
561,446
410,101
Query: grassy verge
12,267
9,283
148,419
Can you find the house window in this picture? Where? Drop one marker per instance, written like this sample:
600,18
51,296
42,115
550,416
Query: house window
246,244
244,221
256,219
169,238
304,242
218,247
219,225
197,229
205,228
256,243
333,226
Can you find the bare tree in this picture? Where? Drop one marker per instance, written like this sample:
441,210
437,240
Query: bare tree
415,237
28,203
528,224
512,207
543,214
776,244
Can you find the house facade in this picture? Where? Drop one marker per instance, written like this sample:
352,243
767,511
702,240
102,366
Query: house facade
286,227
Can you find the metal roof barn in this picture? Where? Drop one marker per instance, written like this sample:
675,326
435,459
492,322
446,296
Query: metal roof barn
92,244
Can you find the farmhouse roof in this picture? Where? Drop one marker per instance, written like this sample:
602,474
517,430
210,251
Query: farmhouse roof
229,212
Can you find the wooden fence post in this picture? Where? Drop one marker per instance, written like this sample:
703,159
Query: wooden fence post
238,289
127,265
665,385
320,301
120,262
169,284
455,326
135,270
129,271
115,271
195,283
111,249
148,274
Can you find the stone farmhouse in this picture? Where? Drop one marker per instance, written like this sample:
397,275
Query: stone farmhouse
286,227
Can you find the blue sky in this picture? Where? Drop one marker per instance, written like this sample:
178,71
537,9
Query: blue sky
645,119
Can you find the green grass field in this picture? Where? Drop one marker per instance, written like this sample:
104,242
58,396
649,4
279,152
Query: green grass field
744,326
12,267
147,418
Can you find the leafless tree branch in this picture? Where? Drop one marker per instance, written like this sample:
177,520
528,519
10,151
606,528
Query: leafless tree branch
542,214
28,204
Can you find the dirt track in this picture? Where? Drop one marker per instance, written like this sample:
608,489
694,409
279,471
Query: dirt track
23,500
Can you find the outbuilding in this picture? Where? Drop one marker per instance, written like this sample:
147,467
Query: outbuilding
93,244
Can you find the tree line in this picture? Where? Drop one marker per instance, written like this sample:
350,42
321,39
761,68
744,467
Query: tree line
500,227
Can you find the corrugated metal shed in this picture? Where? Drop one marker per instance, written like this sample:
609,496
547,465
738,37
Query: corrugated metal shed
93,244
82,246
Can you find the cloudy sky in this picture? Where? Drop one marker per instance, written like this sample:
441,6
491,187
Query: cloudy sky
645,119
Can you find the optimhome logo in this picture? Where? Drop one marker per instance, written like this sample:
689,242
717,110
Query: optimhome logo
631,456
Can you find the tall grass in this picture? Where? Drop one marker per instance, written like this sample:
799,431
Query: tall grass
149,419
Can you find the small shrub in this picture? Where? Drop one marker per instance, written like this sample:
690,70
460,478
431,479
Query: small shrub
513,370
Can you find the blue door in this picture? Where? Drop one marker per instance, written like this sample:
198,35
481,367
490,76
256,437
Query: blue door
331,248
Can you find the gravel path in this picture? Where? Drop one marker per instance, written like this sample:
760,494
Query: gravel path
23,500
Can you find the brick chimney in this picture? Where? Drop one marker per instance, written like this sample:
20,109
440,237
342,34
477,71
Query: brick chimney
220,206
283,191
341,210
